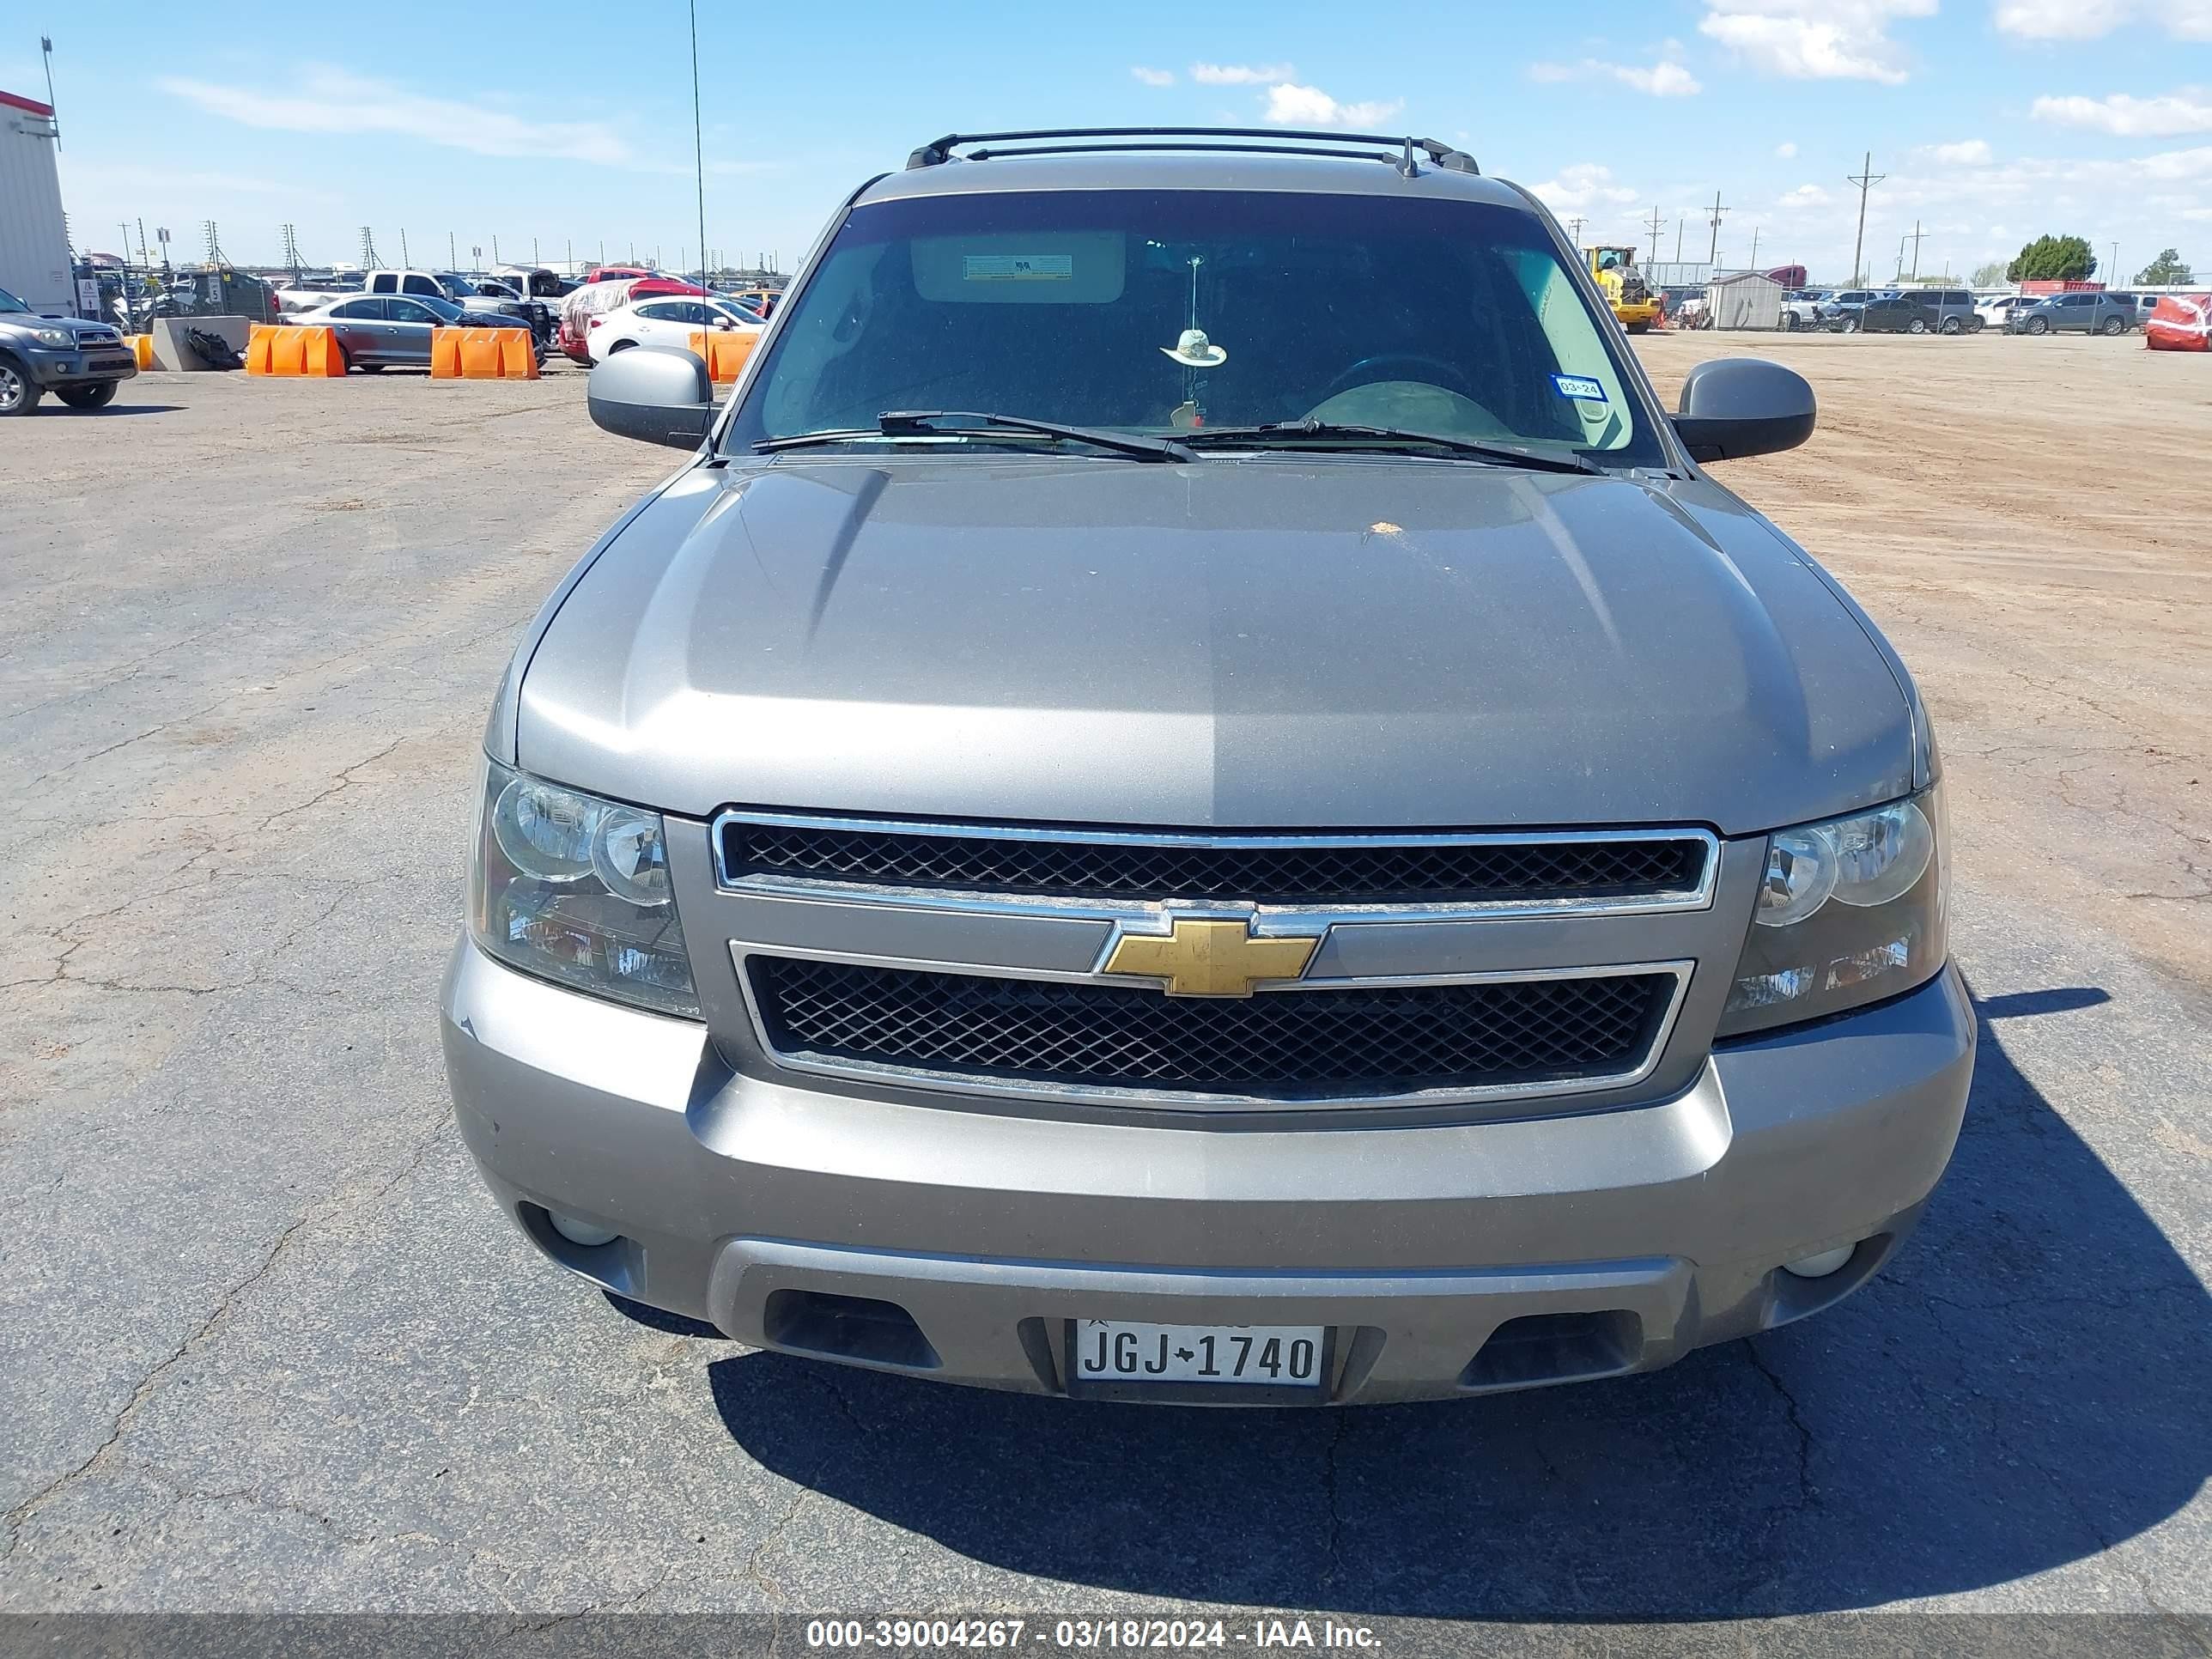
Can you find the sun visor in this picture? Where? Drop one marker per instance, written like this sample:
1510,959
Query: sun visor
1083,267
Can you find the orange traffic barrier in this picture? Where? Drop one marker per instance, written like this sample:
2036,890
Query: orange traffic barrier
482,354
724,351
282,350
142,347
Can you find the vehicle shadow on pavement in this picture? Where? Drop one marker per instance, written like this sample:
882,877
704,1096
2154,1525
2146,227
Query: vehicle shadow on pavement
2027,1385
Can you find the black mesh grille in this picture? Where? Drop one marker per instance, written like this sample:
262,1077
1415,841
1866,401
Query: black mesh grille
1368,874
1287,1044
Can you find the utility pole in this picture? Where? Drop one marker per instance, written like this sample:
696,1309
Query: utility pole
495,247
292,250
1713,253
533,253
2111,270
369,259
1918,234
1680,219
452,253
1865,179
1575,229
405,258
1654,224
1754,247
1901,241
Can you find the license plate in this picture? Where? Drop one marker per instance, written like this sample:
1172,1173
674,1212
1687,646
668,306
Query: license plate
1263,1356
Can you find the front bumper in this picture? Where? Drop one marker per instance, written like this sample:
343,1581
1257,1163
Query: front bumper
56,369
956,1244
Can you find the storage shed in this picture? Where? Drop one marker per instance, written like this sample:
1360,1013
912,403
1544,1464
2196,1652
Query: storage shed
1745,301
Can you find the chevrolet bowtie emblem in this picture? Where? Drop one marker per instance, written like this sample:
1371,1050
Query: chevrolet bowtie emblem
1210,958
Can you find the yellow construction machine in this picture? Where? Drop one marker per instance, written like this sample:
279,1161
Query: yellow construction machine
1635,307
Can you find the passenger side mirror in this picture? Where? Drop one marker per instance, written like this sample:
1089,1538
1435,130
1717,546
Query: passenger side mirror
652,394
1740,406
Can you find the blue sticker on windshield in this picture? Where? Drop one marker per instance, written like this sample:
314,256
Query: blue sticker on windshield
1580,388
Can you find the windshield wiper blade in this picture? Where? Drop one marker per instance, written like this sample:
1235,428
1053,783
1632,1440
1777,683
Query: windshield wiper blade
1347,434
968,423
954,422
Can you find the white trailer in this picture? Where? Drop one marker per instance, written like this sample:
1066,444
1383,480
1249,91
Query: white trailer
35,253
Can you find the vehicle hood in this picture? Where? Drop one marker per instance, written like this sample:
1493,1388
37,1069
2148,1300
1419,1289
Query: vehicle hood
76,327
1280,641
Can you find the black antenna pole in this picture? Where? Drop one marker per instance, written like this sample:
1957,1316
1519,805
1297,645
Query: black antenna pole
698,143
46,52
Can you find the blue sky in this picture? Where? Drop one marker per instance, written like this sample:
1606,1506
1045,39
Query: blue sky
1994,119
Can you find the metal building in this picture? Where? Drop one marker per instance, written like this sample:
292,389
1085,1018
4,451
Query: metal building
1747,301
35,253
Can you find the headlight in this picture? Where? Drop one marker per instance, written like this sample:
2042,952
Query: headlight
59,338
1850,911
575,889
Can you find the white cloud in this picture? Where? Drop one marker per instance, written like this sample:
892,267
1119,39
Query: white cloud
1967,153
2087,20
2129,117
1293,105
1785,151
1585,184
115,178
328,99
1816,39
1805,196
1665,79
1153,78
1240,75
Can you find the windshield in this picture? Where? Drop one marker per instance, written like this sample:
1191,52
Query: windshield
9,302
1160,311
445,308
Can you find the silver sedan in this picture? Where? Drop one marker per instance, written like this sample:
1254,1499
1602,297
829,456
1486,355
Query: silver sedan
382,331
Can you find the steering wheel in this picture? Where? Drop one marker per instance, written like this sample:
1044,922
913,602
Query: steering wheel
1435,372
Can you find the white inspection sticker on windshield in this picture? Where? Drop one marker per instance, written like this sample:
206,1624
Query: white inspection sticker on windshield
1018,268
1581,387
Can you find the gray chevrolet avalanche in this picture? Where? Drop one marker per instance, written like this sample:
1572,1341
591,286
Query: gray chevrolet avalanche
1192,795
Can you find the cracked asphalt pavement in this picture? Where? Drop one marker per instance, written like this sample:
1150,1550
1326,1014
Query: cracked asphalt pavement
265,1343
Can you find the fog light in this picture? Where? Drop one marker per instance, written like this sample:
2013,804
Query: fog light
1805,1267
590,1237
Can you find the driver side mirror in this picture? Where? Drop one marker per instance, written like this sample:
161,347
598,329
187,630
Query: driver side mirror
1739,406
654,395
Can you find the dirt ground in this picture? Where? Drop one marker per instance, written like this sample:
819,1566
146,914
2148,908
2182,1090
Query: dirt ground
266,1343
2030,520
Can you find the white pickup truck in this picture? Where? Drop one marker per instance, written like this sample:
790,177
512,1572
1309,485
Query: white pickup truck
450,285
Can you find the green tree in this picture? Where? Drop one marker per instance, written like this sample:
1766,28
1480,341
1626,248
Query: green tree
2166,269
2053,259
1989,275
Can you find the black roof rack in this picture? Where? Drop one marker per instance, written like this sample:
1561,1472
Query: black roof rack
1281,141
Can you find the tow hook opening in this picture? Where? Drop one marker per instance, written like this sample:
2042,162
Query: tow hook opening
847,1327
1556,1348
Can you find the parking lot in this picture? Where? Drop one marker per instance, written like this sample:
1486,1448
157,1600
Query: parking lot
265,1343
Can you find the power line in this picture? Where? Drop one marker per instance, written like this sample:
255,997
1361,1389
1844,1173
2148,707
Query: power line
1654,224
1865,179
